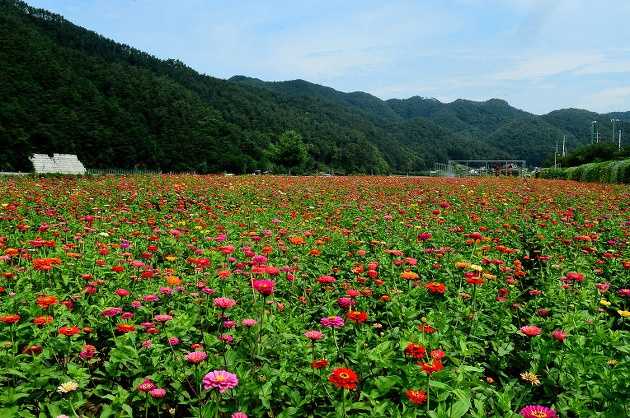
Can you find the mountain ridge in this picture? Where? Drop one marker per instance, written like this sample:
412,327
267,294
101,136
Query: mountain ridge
69,89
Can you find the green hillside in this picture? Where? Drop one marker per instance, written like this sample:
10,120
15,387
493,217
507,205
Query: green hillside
69,90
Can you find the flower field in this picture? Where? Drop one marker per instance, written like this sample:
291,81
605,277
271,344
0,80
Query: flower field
296,297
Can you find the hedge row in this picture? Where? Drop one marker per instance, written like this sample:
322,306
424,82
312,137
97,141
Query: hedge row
606,172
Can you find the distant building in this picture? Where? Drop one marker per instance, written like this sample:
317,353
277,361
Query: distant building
57,164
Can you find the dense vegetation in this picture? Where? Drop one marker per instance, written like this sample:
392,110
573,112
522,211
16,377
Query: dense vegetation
614,171
67,89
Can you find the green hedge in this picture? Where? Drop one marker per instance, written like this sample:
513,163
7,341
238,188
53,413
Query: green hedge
606,172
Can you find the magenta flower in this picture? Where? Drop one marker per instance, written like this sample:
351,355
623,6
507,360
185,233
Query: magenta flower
111,312
314,335
196,357
249,322
345,302
163,318
224,303
538,411
239,415
172,341
157,393
264,287
146,386
221,380
332,322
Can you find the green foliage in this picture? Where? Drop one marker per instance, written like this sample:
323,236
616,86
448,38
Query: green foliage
593,153
605,172
289,154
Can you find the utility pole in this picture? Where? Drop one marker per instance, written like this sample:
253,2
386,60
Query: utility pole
555,156
613,131
619,144
564,139
594,132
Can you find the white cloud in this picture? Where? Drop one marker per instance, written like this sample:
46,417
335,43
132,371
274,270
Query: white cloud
538,66
614,98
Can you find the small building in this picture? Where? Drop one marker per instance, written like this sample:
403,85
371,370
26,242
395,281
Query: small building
57,164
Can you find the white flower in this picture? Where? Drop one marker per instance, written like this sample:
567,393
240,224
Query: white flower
70,386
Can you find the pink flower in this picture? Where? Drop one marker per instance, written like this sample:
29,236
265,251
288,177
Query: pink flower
224,303
559,335
172,341
264,287
226,338
314,335
147,343
136,304
221,380
126,315
208,291
602,287
239,415
196,357
572,275
151,298
259,259
163,318
326,279
87,352
122,292
248,322
157,393
229,323
530,330
345,302
538,411
146,386
111,312
332,322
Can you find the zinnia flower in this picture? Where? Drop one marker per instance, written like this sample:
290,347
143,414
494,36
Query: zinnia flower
538,411
196,357
344,378
414,350
417,397
224,303
332,322
146,386
69,331
157,393
9,318
314,335
264,287
221,380
530,330
559,335
67,387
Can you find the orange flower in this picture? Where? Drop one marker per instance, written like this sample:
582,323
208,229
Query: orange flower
43,320
124,328
9,318
69,331
417,397
409,275
46,301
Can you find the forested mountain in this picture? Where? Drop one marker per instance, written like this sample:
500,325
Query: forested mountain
69,90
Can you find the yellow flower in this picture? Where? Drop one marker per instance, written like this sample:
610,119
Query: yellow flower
475,267
170,258
604,302
624,314
531,378
70,386
462,265
613,362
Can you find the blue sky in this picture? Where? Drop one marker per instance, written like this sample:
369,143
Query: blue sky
539,55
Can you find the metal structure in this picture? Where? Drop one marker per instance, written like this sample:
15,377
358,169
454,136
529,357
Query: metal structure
470,168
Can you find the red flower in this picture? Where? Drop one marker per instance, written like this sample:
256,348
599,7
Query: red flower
530,330
9,318
435,287
124,328
46,301
426,329
414,350
434,366
69,331
357,316
417,397
264,287
344,378
319,364
42,320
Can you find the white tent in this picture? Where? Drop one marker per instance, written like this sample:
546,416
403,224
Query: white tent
58,163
